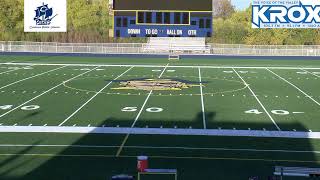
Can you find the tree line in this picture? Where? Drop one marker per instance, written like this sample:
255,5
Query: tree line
89,22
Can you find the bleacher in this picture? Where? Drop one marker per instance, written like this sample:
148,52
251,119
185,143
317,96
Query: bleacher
176,45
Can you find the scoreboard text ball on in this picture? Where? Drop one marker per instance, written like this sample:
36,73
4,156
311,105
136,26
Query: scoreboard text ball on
162,18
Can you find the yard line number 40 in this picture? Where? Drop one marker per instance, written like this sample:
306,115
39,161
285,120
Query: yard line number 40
24,108
277,112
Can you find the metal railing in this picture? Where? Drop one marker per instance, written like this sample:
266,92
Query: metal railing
144,48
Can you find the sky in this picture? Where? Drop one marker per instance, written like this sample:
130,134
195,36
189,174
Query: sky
241,4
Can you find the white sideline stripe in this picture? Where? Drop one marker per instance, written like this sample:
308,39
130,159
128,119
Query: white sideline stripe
310,73
202,102
32,77
162,131
255,96
45,92
157,66
138,115
294,87
159,147
92,98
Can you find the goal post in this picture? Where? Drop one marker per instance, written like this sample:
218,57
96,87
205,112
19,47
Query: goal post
160,173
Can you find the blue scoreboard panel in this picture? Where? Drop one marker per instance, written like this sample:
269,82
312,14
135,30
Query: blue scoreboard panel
162,18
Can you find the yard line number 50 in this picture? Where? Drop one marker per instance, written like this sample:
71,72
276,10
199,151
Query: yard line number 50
150,109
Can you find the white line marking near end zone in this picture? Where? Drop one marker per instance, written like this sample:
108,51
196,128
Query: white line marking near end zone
45,92
93,97
311,73
255,96
8,71
31,77
308,96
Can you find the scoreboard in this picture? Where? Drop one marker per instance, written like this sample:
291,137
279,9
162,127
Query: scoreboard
162,18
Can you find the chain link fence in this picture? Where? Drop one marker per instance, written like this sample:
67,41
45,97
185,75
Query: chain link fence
141,48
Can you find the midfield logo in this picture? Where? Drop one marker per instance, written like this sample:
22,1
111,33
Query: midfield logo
286,14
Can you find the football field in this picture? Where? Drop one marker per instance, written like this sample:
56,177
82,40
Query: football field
183,106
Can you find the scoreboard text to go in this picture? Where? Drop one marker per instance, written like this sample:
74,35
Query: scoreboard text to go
157,31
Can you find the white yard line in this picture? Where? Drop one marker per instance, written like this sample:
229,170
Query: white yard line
93,97
138,115
255,96
45,92
163,71
146,100
307,95
160,147
185,66
311,73
202,102
31,77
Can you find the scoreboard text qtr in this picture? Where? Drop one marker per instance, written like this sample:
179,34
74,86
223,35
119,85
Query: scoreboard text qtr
162,18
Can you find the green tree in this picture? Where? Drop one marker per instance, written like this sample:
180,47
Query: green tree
222,8
11,19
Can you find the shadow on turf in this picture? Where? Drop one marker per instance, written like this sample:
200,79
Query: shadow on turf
212,122
192,164
31,114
